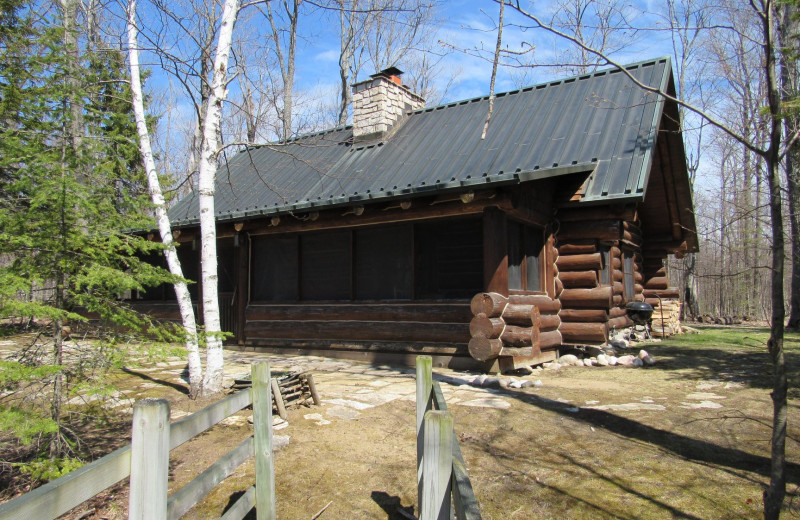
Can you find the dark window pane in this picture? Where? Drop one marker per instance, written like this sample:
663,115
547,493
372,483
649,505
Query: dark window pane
384,263
158,292
325,265
605,273
190,265
516,255
534,241
226,265
274,269
628,269
448,259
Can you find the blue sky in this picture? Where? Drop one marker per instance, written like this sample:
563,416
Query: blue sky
467,25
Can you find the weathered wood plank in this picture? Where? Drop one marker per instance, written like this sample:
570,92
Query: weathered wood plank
437,466
186,497
59,496
186,428
149,460
262,427
279,404
424,386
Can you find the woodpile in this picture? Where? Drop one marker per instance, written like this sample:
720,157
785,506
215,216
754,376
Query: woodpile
666,319
513,326
292,389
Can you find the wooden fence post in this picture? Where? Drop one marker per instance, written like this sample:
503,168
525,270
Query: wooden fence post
262,424
149,460
437,466
424,387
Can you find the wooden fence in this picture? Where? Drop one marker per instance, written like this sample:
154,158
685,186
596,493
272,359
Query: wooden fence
146,461
441,473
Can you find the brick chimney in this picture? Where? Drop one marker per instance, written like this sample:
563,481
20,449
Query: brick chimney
380,102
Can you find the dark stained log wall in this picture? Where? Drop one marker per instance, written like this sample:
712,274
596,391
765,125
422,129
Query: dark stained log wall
438,328
593,244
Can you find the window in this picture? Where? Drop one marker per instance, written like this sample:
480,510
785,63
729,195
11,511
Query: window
383,263
605,272
628,268
325,266
429,260
448,259
525,244
273,268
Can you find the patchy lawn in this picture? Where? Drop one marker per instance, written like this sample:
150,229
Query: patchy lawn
685,438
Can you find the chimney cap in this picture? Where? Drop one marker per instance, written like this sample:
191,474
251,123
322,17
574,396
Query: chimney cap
387,72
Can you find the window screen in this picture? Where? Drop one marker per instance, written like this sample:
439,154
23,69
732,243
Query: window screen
448,259
274,269
325,266
383,263
190,264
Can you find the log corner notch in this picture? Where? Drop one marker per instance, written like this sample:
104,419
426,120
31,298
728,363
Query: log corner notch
519,327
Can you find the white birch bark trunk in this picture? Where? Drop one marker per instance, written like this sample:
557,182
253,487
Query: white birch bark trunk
212,381
164,226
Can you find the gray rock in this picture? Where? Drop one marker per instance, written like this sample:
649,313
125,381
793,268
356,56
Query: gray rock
638,362
619,344
625,360
570,360
280,441
649,360
491,382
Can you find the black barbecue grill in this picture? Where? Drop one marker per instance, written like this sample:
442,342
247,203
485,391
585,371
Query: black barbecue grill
640,313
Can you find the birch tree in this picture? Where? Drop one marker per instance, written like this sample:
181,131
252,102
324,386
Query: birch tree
164,225
212,379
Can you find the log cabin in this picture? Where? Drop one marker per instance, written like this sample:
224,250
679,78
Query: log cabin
408,232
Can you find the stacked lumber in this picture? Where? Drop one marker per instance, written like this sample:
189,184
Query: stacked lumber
666,319
517,326
295,388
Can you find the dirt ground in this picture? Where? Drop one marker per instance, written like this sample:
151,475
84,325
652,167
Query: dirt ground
685,438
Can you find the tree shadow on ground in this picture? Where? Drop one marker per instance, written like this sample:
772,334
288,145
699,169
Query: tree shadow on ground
251,515
391,505
175,386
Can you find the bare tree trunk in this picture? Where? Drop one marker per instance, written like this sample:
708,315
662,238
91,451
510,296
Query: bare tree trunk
70,12
789,34
346,53
212,381
164,225
287,64
775,493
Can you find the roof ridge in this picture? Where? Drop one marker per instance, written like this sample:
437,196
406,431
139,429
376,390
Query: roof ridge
543,84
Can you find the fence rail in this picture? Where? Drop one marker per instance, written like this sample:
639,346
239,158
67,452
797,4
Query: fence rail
441,472
146,461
